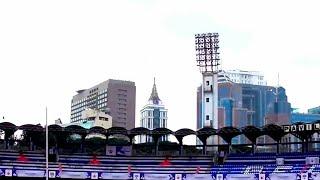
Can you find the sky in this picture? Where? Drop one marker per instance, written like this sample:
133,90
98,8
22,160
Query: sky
50,49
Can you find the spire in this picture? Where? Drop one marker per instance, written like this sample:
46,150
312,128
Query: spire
154,94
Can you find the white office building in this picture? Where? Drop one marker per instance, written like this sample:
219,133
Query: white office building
153,115
245,77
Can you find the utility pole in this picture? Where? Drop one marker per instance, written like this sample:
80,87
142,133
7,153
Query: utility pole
47,148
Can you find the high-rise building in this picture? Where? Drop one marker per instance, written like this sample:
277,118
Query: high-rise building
153,115
245,77
116,97
241,105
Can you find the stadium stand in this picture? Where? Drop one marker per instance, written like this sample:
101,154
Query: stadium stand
25,159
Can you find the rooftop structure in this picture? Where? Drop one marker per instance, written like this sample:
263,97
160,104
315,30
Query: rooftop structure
315,110
245,77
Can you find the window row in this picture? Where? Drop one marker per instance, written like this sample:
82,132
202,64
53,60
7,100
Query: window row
150,113
151,123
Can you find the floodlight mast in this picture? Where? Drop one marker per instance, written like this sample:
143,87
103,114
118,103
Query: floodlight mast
208,61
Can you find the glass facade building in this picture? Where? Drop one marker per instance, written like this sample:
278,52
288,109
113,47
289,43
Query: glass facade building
241,105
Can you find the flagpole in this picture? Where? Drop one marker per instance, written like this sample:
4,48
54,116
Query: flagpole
47,144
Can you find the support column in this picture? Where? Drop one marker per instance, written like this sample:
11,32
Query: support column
130,139
30,144
156,141
204,147
181,146
253,146
6,140
307,145
83,138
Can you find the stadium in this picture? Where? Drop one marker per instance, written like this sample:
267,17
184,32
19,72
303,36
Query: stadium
112,153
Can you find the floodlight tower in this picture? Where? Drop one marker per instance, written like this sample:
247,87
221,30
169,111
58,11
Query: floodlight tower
207,57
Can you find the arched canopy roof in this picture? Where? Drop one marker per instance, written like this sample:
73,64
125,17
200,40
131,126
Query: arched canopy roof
55,128
31,128
229,132
161,131
139,131
179,134
97,129
117,130
184,132
8,126
205,132
251,132
75,129
274,131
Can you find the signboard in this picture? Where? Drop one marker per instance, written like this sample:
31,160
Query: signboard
136,176
94,175
301,127
178,177
111,150
52,174
30,173
262,176
118,150
116,176
308,127
123,150
219,177
74,175
283,176
199,177
304,176
240,176
158,177
8,172
286,129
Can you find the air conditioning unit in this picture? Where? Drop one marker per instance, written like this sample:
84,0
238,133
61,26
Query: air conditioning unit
280,161
312,160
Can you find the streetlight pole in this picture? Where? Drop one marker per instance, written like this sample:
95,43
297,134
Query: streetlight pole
47,144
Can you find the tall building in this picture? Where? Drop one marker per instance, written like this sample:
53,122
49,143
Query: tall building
153,115
116,97
245,77
247,104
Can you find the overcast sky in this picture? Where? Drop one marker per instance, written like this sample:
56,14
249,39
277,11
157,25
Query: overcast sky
50,49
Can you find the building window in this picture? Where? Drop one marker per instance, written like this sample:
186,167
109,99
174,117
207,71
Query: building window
207,99
207,82
207,117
